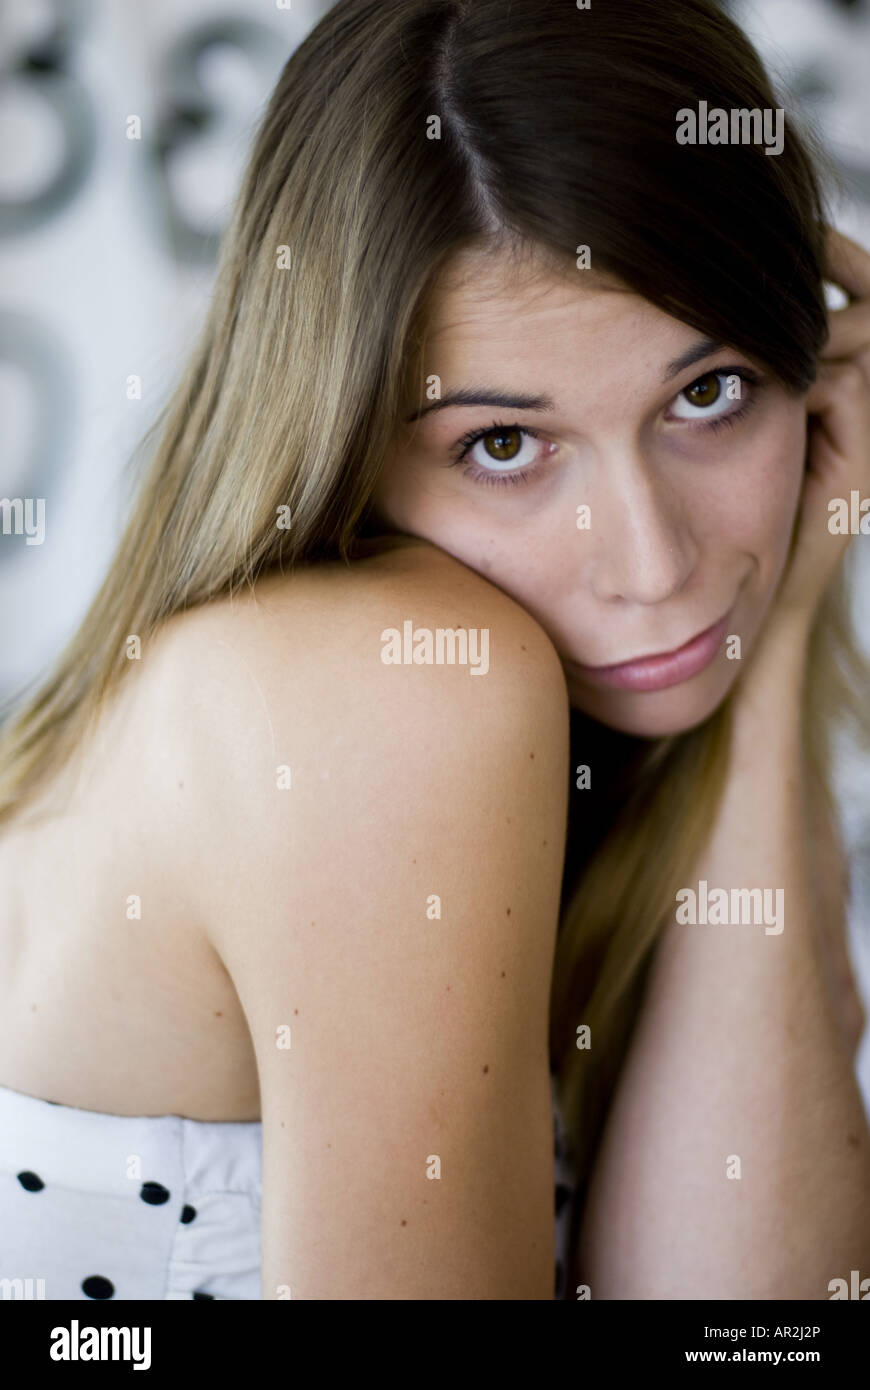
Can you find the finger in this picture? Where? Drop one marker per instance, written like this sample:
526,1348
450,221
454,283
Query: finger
848,331
834,381
847,264
820,394
838,404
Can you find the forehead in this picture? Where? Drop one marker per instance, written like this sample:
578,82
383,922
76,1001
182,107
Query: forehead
487,304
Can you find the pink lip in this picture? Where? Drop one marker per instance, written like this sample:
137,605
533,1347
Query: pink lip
664,669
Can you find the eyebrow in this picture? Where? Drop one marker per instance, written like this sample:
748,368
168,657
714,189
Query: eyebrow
704,347
510,400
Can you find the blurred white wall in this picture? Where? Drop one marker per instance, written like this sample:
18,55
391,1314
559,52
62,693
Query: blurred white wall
106,256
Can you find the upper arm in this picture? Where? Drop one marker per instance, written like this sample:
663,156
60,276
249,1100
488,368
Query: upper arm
389,924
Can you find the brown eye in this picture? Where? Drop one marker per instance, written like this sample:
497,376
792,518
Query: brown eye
503,445
705,391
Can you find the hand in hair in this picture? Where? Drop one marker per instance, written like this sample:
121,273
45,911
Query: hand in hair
838,436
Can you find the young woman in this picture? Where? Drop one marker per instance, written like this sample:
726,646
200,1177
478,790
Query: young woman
479,615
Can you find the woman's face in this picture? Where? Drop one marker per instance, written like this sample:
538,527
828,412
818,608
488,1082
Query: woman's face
628,513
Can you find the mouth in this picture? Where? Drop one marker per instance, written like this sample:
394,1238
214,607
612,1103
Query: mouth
662,669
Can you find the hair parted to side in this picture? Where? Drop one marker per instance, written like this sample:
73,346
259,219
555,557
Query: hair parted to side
557,129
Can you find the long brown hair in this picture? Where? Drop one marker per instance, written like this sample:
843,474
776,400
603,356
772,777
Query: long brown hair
399,133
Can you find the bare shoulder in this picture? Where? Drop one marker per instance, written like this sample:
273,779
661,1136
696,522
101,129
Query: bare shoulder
277,678
349,686
341,612
270,689
380,847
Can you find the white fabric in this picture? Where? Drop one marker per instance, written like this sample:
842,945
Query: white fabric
89,1218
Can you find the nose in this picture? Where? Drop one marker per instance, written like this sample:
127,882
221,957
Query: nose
643,550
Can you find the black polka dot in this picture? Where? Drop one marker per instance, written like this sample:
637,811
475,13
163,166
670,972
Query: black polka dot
187,1214
31,1182
95,1286
154,1193
563,1195
203,1295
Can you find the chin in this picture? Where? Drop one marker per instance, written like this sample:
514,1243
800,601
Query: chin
654,714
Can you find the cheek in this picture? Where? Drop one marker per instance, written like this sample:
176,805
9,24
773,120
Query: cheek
417,502
485,539
426,501
749,502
